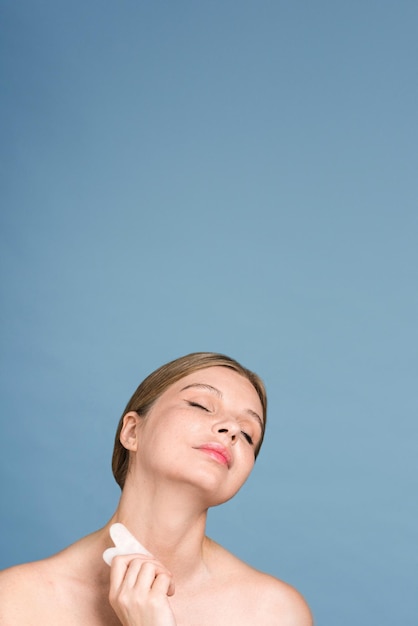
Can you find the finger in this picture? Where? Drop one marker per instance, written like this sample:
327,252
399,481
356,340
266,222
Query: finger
152,577
164,583
121,565
147,573
150,570
117,574
132,573
146,576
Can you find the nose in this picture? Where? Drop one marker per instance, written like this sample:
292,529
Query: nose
229,427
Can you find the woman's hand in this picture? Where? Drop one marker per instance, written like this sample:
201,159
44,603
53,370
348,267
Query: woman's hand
139,590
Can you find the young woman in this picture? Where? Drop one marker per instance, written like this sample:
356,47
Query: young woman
186,441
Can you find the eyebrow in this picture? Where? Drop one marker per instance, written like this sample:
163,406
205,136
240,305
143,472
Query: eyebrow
218,393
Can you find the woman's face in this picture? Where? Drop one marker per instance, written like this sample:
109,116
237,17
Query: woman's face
202,431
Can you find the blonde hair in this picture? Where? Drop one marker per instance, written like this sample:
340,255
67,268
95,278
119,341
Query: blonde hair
158,381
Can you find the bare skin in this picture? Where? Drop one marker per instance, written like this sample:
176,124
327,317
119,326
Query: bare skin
172,480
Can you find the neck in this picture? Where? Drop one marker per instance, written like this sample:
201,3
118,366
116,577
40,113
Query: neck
168,523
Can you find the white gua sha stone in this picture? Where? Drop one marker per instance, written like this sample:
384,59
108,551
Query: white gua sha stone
125,543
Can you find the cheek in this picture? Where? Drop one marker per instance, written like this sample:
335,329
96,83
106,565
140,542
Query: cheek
245,464
168,433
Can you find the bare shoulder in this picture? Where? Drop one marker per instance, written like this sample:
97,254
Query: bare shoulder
266,600
68,588
19,588
19,578
278,602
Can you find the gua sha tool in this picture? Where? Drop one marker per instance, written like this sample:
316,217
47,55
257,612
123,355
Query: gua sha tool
125,543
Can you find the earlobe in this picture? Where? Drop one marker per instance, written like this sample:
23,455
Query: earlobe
128,434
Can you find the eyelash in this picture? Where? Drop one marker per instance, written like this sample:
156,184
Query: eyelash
246,436
200,406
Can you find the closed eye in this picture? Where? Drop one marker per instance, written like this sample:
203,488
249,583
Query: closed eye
247,437
199,406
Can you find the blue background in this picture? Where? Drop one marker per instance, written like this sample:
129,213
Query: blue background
226,176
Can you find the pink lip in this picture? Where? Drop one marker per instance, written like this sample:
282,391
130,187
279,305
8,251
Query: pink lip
218,452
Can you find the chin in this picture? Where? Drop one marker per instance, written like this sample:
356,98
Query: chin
213,491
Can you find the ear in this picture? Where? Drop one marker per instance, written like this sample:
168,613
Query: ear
128,434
